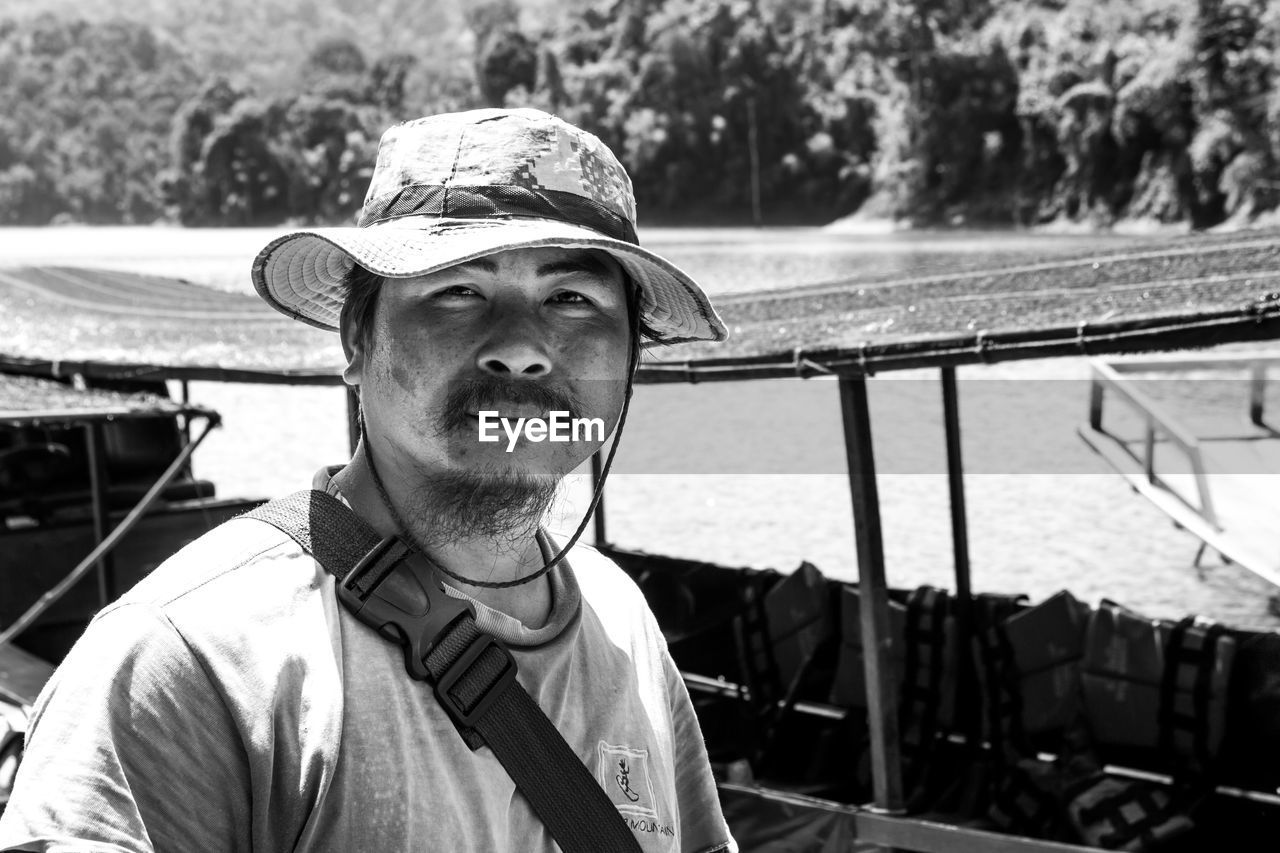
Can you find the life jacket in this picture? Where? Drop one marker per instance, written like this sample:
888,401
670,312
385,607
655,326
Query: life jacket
1117,684
849,688
1047,644
924,655
780,631
924,658
1157,687
1125,814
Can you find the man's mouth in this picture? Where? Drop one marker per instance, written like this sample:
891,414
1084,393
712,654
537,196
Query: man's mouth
509,401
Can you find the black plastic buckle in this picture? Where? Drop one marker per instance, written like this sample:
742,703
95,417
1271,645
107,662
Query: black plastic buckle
406,603
492,692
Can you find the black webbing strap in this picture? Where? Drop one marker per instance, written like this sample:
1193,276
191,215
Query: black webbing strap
1190,661
1003,699
392,588
772,699
755,645
1127,814
924,655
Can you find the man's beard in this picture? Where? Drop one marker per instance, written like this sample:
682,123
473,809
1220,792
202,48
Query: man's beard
505,505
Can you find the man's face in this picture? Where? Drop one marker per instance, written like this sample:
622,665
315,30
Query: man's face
521,332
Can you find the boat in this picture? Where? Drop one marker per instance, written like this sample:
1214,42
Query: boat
1216,481
839,715
96,489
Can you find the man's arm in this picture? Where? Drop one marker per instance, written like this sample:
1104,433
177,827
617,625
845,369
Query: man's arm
702,825
131,748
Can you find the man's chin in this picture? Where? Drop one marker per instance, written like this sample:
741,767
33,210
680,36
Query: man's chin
544,462
500,501
504,476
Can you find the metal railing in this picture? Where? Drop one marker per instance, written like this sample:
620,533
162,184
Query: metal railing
1156,420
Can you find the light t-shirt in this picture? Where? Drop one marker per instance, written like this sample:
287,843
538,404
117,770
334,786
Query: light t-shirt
229,703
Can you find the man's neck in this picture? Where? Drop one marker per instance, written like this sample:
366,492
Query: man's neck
479,558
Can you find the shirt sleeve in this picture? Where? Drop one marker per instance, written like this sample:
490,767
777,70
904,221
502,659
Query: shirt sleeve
130,748
702,825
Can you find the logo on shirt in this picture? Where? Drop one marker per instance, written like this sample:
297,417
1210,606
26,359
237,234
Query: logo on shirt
623,772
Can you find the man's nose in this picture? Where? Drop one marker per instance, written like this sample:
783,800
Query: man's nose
515,348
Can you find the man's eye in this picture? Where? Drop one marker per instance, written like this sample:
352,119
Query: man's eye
457,290
570,297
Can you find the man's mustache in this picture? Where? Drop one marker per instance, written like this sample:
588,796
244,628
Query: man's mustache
468,396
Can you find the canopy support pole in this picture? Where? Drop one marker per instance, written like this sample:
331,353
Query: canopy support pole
185,385
598,531
873,596
135,515
98,493
960,542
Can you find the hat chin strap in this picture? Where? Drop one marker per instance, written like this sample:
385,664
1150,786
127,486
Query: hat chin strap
402,528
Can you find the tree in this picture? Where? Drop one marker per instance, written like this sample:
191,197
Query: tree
1236,45
336,68
330,152
89,106
243,181
182,182
387,77
506,60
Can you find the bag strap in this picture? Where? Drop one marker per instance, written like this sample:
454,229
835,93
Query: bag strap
393,589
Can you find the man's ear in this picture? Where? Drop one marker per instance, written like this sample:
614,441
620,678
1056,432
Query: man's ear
353,347
355,367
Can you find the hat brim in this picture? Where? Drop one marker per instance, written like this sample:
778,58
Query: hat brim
301,274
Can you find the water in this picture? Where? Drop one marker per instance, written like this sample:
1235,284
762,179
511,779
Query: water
753,474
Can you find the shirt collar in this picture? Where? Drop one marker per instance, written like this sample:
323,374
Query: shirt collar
566,597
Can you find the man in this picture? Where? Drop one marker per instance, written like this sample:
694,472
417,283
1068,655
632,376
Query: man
229,702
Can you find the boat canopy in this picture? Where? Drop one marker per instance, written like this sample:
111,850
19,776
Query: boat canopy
1192,291
1166,293
36,401
61,321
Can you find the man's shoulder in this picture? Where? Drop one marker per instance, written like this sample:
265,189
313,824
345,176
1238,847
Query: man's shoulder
243,599
240,553
600,577
612,594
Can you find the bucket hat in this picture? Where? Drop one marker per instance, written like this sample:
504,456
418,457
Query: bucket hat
454,187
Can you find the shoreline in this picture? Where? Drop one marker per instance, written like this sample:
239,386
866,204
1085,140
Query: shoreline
852,224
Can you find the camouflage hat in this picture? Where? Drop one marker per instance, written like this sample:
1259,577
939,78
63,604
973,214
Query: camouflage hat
451,188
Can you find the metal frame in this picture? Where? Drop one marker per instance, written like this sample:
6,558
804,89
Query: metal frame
1191,507
98,487
1107,378
873,599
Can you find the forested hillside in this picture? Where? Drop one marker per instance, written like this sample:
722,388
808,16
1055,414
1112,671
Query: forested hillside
247,112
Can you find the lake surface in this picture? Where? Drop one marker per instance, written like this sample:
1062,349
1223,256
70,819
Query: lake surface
753,474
